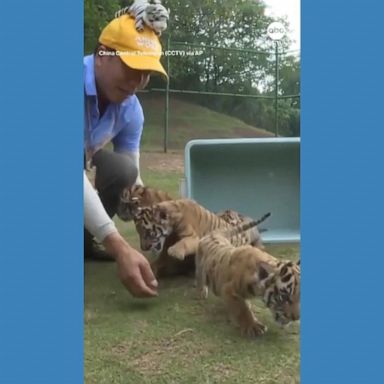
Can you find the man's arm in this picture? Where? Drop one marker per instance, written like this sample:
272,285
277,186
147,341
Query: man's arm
96,219
133,268
128,140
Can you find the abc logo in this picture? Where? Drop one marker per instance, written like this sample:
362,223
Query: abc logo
276,31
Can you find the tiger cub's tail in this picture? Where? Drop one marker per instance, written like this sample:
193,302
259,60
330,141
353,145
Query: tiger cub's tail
240,234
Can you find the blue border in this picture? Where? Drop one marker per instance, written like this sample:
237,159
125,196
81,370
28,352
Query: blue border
41,204
342,192
41,272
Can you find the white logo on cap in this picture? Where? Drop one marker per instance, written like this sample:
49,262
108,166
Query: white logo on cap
145,42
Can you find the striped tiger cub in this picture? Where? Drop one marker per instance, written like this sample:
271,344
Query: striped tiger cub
184,218
147,12
139,196
135,198
237,273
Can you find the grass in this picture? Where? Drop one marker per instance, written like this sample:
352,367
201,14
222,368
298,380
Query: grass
176,338
189,121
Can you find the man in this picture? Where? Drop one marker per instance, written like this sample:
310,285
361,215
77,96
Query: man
121,65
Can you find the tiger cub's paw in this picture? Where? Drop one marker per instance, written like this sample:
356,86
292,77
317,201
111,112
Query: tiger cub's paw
175,252
254,329
139,25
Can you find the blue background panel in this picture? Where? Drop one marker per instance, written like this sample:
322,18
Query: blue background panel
41,204
342,192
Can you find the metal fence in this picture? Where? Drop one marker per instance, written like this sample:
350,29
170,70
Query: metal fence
167,90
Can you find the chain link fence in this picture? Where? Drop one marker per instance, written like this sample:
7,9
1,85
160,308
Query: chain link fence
249,85
174,51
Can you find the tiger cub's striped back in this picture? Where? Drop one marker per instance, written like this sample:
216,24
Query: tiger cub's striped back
235,218
244,233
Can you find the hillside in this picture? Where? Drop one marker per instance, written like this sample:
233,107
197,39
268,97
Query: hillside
188,121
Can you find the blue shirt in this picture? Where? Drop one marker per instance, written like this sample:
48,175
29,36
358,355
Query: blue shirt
121,123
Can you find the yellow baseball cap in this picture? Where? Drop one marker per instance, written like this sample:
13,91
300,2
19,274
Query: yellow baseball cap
138,50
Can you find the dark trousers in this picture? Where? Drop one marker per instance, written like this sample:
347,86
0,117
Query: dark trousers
114,172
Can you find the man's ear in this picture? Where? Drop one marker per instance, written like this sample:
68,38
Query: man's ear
125,195
98,57
101,47
134,206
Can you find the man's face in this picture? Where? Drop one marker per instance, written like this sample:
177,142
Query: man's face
115,80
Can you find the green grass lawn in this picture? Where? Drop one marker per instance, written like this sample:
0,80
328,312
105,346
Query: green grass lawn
189,121
176,338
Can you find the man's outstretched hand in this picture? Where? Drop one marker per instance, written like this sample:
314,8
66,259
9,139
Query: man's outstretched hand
133,268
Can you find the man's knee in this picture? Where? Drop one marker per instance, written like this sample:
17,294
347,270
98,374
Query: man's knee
126,172
114,171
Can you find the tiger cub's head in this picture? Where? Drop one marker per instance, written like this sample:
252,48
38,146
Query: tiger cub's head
156,16
131,198
153,226
282,290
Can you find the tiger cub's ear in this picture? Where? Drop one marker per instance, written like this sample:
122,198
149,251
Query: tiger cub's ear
160,213
298,263
265,270
139,191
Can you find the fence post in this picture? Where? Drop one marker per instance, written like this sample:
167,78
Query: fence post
276,87
166,123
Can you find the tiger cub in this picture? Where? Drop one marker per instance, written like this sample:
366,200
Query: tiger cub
137,197
140,196
185,218
147,12
238,273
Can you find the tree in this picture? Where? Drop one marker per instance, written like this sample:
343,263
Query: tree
97,14
225,24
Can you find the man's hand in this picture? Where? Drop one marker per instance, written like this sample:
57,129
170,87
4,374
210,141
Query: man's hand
133,268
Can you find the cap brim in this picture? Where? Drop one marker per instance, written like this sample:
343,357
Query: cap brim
144,63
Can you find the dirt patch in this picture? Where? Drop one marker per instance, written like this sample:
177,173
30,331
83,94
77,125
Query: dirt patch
160,161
